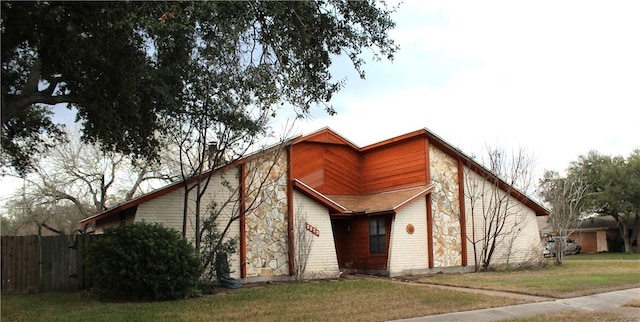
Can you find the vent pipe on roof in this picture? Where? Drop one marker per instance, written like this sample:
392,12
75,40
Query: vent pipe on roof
212,152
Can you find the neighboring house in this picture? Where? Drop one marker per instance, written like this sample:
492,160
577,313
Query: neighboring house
595,234
394,207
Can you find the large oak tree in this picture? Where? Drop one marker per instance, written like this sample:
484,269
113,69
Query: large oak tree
128,67
614,189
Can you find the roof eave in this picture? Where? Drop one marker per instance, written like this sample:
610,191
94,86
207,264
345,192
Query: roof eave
420,194
173,186
319,197
480,169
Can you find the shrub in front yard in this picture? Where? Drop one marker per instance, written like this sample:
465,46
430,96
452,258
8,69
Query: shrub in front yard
142,261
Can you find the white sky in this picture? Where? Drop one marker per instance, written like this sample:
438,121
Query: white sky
558,78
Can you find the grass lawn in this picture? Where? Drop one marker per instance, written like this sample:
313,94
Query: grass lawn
576,276
337,300
604,256
348,299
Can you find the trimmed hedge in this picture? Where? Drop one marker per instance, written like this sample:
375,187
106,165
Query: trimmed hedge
143,261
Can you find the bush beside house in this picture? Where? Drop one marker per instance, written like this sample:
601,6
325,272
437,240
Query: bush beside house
143,261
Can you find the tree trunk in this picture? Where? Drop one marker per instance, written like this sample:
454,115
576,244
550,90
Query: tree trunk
197,217
185,208
476,264
624,232
627,245
633,233
558,247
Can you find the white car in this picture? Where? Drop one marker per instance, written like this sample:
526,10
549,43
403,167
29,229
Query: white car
570,247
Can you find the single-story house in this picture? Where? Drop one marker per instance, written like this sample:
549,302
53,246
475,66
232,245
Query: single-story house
595,234
395,207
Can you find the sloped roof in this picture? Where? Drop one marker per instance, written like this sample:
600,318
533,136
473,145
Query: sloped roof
327,135
485,173
176,185
381,202
595,223
134,202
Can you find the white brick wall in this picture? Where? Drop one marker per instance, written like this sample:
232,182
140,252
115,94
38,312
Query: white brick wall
168,210
408,253
323,260
525,236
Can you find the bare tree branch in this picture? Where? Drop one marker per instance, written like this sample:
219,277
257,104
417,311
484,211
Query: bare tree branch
496,215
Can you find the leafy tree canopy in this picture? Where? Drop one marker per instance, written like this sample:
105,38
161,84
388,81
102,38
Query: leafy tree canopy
615,182
614,189
128,67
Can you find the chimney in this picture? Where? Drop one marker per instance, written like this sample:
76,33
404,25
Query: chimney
212,150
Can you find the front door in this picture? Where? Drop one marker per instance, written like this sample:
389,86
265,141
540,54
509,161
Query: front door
362,242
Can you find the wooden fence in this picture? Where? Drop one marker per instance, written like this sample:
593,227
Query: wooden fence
32,264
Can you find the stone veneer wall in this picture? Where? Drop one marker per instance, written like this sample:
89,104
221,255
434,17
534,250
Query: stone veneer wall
447,243
266,225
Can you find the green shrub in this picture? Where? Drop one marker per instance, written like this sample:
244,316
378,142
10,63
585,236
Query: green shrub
141,261
213,245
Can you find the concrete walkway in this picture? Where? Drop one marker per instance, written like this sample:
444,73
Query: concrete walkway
597,302
518,296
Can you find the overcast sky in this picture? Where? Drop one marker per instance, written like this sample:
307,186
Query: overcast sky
559,78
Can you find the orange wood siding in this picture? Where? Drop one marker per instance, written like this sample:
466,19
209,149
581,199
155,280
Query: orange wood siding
327,168
333,168
307,164
349,242
342,170
353,246
403,164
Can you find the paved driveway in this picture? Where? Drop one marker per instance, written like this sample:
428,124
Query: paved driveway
610,301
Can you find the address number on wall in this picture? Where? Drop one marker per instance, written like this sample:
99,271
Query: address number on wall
312,229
